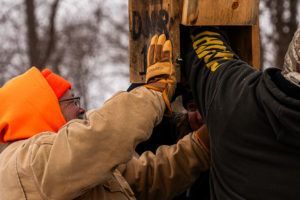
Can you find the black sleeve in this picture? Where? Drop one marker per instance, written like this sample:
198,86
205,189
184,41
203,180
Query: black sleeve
216,74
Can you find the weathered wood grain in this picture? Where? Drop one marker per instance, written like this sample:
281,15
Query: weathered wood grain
256,44
220,12
146,18
149,17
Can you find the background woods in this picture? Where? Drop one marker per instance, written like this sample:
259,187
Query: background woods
87,41
79,39
281,19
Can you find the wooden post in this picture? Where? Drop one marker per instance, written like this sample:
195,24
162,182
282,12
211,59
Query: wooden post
149,17
239,17
219,12
146,18
256,54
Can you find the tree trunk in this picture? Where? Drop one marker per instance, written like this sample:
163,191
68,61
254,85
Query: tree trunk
32,36
51,44
284,28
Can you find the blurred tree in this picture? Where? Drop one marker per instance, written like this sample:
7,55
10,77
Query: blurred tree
70,37
39,56
283,17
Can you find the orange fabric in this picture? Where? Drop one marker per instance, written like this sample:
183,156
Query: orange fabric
58,84
28,106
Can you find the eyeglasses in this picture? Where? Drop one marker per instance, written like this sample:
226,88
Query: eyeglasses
76,100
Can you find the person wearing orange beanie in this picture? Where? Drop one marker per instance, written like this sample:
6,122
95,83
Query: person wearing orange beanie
33,106
62,90
49,153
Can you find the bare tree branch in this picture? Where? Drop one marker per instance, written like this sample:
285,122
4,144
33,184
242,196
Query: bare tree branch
33,40
283,15
80,49
52,33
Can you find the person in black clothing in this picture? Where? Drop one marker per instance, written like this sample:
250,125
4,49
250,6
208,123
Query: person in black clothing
253,118
171,129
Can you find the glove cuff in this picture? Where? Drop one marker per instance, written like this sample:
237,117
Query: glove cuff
162,86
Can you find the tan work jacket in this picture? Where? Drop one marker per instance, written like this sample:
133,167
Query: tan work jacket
94,158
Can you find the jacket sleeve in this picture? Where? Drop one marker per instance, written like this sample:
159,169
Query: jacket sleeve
170,171
215,71
85,152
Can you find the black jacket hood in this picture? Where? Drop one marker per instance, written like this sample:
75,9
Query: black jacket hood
281,102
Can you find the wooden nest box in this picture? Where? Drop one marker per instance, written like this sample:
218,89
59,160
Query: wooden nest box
149,17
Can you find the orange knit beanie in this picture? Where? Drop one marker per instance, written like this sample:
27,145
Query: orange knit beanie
29,105
58,84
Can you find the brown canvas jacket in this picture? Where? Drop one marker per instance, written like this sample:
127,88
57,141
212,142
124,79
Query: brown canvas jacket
81,160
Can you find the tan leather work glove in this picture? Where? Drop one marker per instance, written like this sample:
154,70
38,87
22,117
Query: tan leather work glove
160,74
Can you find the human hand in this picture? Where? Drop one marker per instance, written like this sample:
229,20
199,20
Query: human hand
160,74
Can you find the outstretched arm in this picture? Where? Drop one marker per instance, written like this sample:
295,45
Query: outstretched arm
84,153
215,73
171,170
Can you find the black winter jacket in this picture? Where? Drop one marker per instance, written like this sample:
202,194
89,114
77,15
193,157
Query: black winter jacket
253,119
